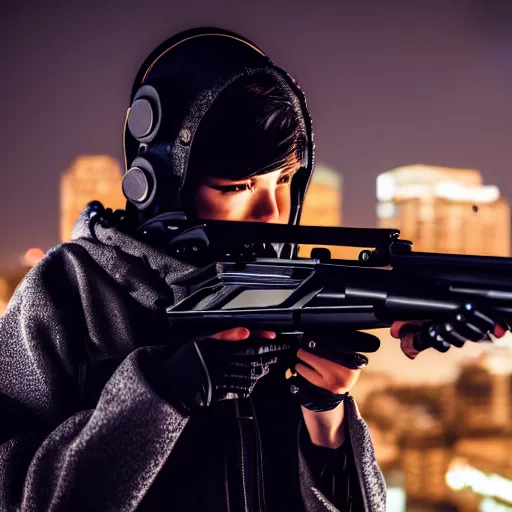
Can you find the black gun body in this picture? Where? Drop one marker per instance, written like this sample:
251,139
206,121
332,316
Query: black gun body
303,295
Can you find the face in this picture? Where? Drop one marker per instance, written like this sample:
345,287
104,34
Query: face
262,198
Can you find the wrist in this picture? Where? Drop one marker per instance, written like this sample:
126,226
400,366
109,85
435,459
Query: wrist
326,428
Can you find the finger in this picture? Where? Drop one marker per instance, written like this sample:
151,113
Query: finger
408,346
499,331
327,350
342,342
479,319
236,334
306,358
336,380
309,374
397,326
323,366
395,329
408,334
484,319
429,338
471,326
268,335
451,335
441,345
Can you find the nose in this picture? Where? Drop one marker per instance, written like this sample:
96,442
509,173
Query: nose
265,208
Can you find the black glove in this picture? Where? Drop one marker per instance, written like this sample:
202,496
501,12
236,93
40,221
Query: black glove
470,322
205,371
341,350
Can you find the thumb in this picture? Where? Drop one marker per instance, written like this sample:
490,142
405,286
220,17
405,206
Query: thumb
236,334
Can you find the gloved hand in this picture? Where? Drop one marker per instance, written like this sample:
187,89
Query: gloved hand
223,366
328,366
470,322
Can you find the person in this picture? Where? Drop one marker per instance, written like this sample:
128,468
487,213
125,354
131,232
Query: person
102,408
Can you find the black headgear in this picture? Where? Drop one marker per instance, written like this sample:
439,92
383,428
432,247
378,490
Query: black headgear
173,90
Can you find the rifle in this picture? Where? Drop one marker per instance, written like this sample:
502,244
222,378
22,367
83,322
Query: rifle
247,285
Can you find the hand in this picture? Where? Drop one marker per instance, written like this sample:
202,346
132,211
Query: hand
242,333
468,323
326,374
219,367
328,368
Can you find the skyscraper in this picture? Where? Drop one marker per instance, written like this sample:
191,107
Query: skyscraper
444,210
89,178
5,294
323,204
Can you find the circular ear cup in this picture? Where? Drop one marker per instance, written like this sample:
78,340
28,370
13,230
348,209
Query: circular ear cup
139,183
145,114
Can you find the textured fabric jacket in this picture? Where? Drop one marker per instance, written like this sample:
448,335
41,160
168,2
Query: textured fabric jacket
101,299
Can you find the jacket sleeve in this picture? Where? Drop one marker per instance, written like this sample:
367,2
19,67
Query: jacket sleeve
52,453
347,478
332,472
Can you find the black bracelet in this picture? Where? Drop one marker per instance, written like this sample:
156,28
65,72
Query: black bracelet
312,397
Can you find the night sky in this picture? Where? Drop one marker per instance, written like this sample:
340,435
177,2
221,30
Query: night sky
388,83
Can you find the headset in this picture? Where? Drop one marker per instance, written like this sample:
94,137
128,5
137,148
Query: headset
172,91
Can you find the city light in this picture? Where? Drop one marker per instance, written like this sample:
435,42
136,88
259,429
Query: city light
444,210
385,187
396,499
32,257
490,505
89,178
452,190
463,476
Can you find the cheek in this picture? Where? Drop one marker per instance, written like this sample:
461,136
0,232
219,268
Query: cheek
283,198
213,205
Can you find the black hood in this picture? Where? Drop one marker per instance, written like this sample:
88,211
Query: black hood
173,90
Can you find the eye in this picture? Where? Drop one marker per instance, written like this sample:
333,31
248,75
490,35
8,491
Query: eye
285,178
238,187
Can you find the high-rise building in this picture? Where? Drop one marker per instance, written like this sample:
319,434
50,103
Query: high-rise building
89,178
323,205
9,280
453,441
5,295
323,201
484,401
444,210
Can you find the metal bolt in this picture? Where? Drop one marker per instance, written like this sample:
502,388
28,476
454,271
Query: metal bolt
312,344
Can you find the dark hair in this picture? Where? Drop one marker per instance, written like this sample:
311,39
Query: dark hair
251,128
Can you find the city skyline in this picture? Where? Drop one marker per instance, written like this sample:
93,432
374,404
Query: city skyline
450,449
445,210
325,177
388,84
87,176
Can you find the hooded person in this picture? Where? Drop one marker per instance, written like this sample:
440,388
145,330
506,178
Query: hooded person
101,409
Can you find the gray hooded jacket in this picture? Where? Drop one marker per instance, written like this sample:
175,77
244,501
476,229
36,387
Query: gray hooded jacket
102,298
